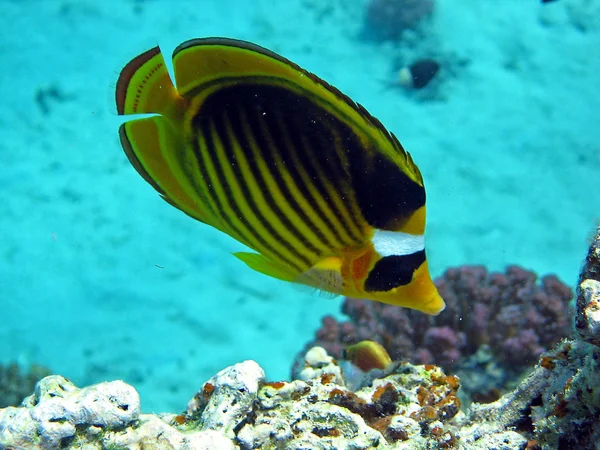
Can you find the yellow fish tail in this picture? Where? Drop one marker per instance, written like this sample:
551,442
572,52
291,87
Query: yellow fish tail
145,87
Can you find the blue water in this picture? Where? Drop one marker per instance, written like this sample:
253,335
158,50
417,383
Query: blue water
100,279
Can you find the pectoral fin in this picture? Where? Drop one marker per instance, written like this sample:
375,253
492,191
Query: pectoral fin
325,276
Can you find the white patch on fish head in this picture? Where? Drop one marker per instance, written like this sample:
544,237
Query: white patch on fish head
397,243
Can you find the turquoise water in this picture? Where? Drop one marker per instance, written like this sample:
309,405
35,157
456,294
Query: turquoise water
100,279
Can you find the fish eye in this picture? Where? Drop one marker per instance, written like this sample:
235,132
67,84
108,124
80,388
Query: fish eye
393,271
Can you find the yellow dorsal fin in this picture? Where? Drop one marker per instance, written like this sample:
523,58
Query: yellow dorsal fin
203,62
198,62
144,86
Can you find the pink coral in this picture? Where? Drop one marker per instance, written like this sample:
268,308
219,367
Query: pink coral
516,316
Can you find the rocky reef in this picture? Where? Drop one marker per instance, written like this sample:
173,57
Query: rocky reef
494,328
404,406
15,383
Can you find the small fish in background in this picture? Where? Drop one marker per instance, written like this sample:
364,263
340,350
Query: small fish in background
363,361
266,152
367,355
548,1
418,74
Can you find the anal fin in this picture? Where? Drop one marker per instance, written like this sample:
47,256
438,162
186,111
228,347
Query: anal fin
266,266
148,144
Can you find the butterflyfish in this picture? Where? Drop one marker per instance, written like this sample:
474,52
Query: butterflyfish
367,355
251,144
418,74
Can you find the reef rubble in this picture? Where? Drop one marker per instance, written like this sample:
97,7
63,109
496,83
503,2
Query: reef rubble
404,406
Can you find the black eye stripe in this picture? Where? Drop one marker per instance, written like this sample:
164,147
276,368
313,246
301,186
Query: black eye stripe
393,271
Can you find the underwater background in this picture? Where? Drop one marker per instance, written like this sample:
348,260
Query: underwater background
101,280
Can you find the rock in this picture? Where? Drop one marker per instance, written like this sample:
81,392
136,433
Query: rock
228,397
105,415
503,440
557,405
587,321
322,413
51,415
318,363
402,407
155,433
407,404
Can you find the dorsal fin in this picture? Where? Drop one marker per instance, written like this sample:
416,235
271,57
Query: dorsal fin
144,86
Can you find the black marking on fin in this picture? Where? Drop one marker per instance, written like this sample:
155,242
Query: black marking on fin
127,74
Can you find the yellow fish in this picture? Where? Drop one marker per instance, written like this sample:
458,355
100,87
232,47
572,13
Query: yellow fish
251,144
367,355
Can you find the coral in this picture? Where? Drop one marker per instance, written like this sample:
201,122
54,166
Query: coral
15,385
52,415
388,19
227,398
58,415
556,406
507,315
403,406
409,405
587,322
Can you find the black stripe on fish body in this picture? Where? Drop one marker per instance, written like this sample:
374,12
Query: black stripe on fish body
205,125
264,140
257,208
319,161
310,122
272,137
211,174
194,169
239,132
393,271
281,111
321,164
202,125
324,163
340,143
312,128
387,196
203,148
